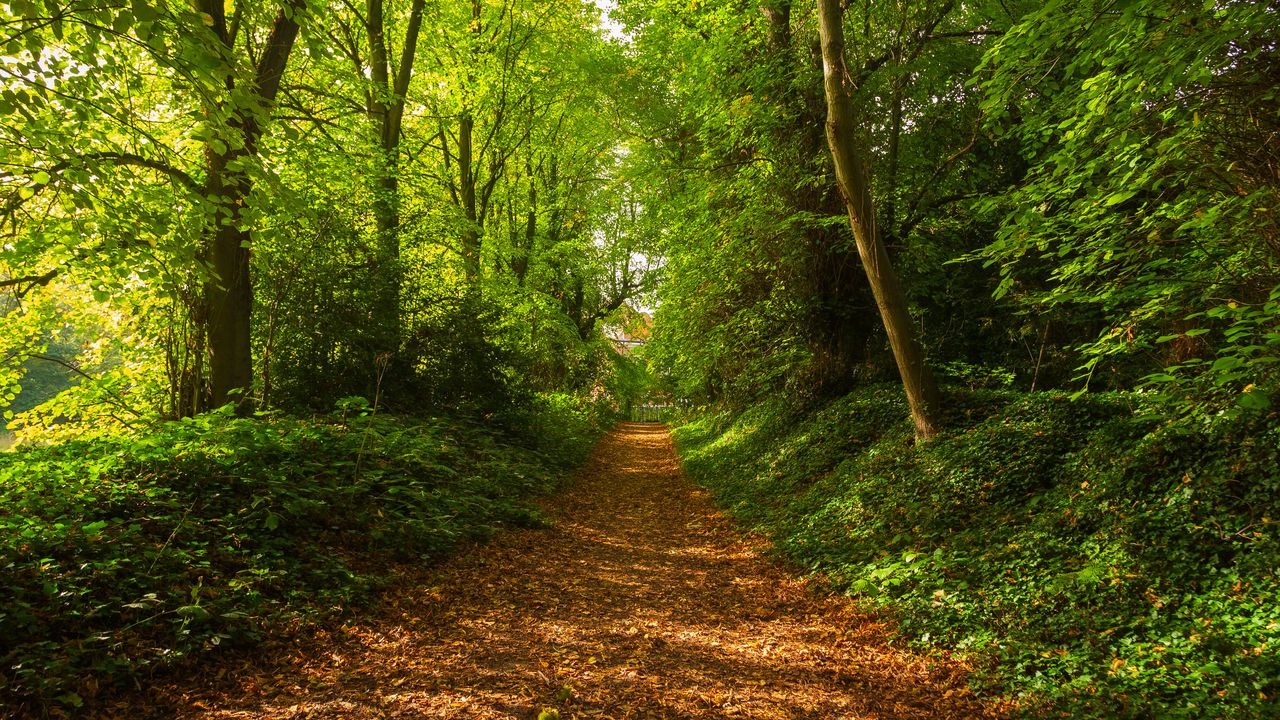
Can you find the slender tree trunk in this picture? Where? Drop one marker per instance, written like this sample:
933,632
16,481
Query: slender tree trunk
386,191
836,325
524,249
895,145
386,110
472,236
853,179
467,190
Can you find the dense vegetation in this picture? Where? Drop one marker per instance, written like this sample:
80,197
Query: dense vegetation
126,555
1091,558
1080,194
1079,200
262,260
292,293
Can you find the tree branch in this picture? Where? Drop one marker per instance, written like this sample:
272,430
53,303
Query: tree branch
32,282
118,158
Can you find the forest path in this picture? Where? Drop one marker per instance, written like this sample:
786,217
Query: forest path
642,601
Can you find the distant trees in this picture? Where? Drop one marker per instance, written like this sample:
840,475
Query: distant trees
797,308
270,202
290,203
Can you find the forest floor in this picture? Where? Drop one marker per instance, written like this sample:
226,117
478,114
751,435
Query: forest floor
641,601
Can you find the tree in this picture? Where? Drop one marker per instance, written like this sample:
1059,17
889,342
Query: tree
228,185
387,97
208,82
855,186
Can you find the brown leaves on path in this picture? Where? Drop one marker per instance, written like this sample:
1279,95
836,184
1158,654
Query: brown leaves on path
641,602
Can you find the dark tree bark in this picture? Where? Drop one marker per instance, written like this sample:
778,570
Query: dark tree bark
467,191
229,296
386,110
854,182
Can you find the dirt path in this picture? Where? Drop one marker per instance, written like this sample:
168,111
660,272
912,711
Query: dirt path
641,602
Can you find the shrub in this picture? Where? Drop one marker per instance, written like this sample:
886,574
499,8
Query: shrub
1100,560
126,553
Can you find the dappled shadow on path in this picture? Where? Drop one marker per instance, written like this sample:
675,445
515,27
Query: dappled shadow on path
641,602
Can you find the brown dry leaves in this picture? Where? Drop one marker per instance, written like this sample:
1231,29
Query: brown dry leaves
641,602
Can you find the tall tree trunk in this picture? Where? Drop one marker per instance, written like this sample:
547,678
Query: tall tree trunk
467,161
386,110
467,190
778,15
853,179
836,324
230,293
524,249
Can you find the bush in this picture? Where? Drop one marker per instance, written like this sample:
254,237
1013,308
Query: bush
1102,561
121,554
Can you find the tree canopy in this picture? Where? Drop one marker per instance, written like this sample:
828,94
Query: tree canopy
252,202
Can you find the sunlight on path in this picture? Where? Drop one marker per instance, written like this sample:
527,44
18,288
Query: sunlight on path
641,602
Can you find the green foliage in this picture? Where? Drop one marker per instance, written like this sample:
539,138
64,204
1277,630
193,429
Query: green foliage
113,184
1149,195
1109,165
1242,378
122,554
1096,561
976,376
764,287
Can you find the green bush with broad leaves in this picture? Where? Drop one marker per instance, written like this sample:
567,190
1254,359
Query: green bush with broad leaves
125,553
1094,559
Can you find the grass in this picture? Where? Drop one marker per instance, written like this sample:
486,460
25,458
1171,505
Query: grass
1096,560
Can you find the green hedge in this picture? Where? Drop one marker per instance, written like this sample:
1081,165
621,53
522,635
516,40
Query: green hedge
1097,560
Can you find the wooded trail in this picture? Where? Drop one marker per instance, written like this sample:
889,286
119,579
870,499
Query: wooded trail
642,601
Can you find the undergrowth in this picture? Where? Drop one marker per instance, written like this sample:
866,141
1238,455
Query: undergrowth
1095,560
119,555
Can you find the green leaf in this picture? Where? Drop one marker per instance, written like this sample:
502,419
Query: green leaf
143,11
193,612
1118,197
1224,364
122,22
1254,399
